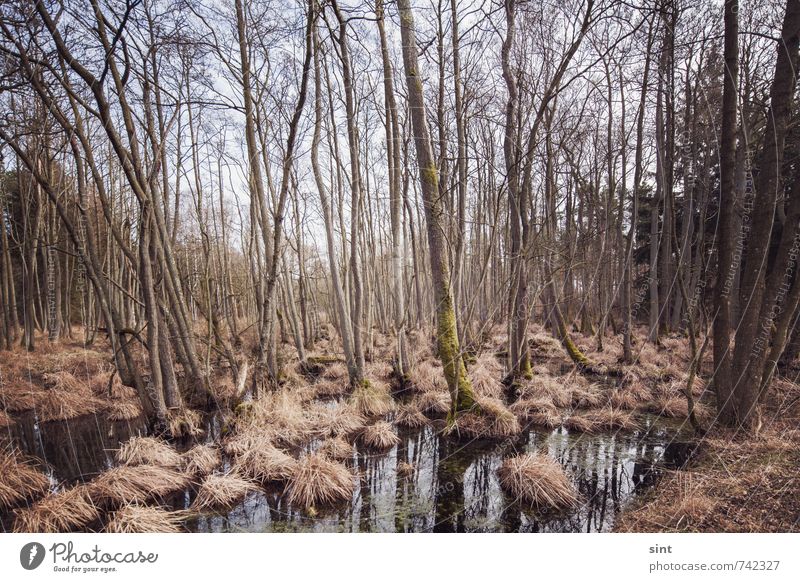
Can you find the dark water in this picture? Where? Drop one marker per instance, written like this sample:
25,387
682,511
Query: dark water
453,487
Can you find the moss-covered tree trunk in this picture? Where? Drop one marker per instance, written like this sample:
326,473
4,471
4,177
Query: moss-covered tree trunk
446,329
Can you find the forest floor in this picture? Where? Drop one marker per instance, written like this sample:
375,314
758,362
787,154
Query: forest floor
306,440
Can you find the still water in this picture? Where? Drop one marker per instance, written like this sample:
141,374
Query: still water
453,486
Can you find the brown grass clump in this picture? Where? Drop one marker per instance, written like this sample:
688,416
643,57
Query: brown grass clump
59,512
18,395
380,436
485,380
331,388
427,376
64,397
19,480
622,399
282,414
492,421
108,384
135,518
338,420
372,399
549,387
671,407
381,369
537,480
148,451
545,419
137,484
405,469
434,403
264,462
527,407
588,397
608,418
337,448
185,423
319,481
218,491
335,371
122,409
408,416
201,460
581,423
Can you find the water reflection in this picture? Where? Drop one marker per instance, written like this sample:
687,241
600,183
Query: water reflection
453,486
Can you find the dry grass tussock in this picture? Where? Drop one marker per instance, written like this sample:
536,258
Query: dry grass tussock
550,387
318,481
544,344
185,423
587,397
118,409
410,417
137,484
64,397
537,480
335,371
281,414
201,460
135,518
336,448
404,469
382,370
339,419
265,463
426,376
433,403
527,407
148,451
69,510
380,436
372,399
18,395
486,379
19,480
493,420
611,419
331,388
217,491
108,384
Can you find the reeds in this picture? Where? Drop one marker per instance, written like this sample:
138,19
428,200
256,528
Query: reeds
59,512
134,518
537,480
201,460
219,491
19,480
380,436
317,481
148,451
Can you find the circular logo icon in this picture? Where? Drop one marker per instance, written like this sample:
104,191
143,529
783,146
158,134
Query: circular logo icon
31,555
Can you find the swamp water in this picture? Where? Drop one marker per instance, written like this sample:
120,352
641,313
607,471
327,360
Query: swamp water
453,486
